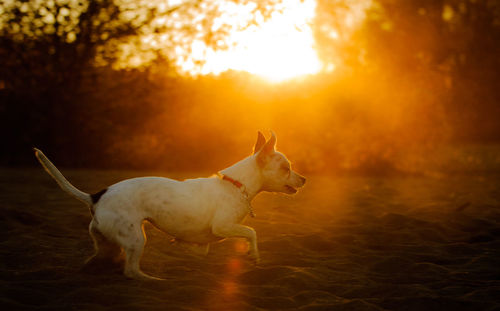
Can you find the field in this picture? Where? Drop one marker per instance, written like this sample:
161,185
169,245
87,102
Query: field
343,243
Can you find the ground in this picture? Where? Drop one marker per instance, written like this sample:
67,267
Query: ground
343,243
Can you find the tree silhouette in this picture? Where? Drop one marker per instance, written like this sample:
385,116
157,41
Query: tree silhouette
49,51
447,48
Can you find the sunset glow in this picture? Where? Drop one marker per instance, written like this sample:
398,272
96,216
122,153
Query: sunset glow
278,49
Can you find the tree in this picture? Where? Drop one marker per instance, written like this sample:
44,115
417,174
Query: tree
49,51
446,51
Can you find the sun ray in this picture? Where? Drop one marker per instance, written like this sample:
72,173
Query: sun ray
278,49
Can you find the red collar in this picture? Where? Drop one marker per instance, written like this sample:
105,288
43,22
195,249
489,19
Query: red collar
234,182
243,189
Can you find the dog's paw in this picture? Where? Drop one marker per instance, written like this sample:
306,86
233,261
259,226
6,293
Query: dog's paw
256,260
254,257
141,276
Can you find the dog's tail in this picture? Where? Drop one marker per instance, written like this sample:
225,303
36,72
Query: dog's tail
61,180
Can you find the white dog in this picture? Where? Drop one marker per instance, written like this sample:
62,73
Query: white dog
198,211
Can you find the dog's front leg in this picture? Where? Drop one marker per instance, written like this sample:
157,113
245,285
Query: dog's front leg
237,230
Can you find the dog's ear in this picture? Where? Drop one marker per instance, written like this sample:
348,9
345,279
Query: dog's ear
267,149
261,140
270,146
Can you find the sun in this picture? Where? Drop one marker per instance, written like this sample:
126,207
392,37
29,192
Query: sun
278,49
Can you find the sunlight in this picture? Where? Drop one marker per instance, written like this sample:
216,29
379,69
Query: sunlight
278,49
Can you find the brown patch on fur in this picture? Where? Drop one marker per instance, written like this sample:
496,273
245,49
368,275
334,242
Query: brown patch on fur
96,196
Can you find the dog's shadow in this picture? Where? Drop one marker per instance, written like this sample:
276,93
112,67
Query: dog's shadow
103,266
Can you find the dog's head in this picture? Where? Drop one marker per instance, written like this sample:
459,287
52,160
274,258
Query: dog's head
275,169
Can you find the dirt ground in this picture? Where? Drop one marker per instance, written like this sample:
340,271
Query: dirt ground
343,243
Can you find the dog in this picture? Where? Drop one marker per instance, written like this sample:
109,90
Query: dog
194,211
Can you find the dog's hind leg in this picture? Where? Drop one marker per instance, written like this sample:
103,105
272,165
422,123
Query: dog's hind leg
107,253
132,239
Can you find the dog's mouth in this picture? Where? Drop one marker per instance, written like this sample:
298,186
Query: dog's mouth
290,189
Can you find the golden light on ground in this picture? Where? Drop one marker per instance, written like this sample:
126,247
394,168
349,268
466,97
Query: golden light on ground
278,49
